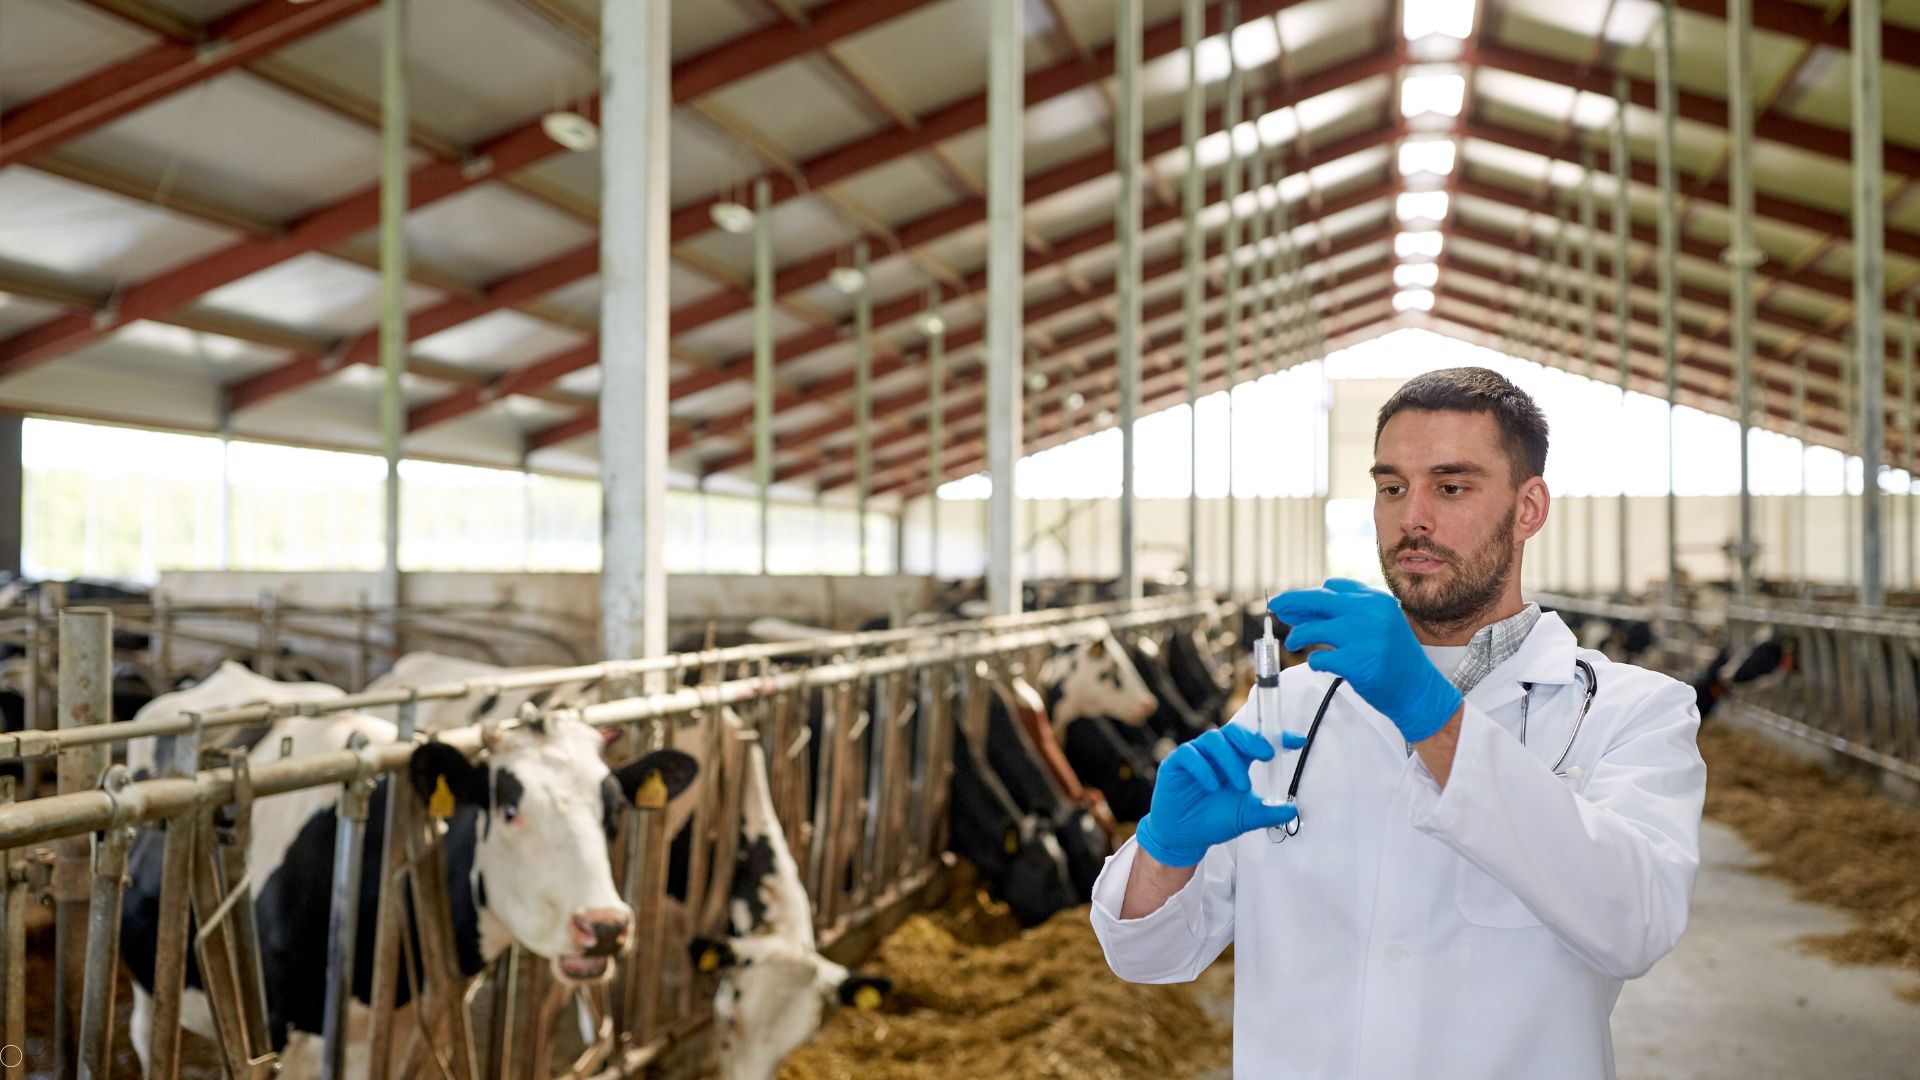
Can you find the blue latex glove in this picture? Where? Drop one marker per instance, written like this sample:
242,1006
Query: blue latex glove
1203,795
1374,649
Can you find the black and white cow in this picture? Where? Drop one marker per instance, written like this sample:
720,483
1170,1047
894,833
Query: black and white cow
1770,659
1199,678
776,989
526,844
1095,698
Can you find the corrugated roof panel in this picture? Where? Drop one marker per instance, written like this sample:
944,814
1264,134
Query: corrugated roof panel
200,355
796,109
1065,128
497,342
47,44
17,313
239,140
99,383
312,293
903,190
95,239
699,27
900,54
489,231
474,69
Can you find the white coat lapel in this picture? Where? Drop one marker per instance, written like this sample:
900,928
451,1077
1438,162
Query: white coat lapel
1544,659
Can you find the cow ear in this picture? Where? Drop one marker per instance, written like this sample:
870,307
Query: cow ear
865,992
710,954
1097,650
656,778
443,776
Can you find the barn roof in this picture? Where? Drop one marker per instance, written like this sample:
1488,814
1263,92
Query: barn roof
188,197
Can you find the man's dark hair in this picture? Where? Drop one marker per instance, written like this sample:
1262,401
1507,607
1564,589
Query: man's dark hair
1523,428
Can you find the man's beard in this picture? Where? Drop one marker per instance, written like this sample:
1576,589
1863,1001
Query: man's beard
1473,585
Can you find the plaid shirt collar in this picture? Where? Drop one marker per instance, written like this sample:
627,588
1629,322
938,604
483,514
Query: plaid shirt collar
1493,645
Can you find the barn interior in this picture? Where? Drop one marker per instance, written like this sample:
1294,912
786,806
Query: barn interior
806,398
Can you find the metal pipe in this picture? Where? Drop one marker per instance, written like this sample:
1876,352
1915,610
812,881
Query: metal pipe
1006,91
1907,348
1800,424
635,77
85,701
1742,257
13,951
1260,333
936,423
1562,286
1192,29
763,273
1230,194
395,139
103,947
1869,286
343,917
1849,433
1664,91
1127,153
862,394
1622,300
1590,337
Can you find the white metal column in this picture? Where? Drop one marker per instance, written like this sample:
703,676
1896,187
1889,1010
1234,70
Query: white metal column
936,422
1622,300
1869,287
1126,163
862,396
1742,258
1006,93
393,274
763,363
1192,28
636,80
1669,261
1230,192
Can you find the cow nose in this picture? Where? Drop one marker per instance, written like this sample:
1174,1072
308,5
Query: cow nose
600,931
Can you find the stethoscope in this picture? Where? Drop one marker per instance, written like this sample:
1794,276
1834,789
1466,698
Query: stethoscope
1582,668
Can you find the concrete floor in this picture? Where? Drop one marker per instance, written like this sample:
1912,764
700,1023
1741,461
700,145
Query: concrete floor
1739,1000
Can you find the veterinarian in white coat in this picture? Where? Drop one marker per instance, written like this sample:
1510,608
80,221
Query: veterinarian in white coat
1492,829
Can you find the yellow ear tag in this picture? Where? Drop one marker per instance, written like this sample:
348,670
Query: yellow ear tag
440,804
709,961
652,792
1012,842
1126,772
867,998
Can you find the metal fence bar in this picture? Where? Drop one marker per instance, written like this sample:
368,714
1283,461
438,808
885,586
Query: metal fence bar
86,700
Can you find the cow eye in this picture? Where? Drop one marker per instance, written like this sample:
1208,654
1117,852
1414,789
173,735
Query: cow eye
510,812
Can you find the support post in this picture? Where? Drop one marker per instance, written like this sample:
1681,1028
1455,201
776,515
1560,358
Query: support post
862,397
1590,337
344,917
1622,300
1127,153
1800,426
12,494
1230,193
86,699
1260,333
394,149
1562,336
1907,455
763,272
1869,287
1742,257
936,423
1664,91
1192,28
1006,91
635,72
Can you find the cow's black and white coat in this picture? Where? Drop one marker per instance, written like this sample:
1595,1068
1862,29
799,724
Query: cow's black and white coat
526,847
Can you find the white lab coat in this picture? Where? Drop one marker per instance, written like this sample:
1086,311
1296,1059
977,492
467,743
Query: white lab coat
1477,933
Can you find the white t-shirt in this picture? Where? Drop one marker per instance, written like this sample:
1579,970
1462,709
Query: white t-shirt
1447,658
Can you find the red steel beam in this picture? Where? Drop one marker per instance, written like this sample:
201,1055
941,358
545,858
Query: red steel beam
506,153
101,97
1801,134
1897,43
1779,209
906,307
584,261
1098,340
959,118
1050,419
1094,381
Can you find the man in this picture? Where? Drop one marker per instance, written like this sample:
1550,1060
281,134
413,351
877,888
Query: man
1495,828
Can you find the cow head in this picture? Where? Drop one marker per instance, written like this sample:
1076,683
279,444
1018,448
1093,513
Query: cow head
774,998
1096,678
548,807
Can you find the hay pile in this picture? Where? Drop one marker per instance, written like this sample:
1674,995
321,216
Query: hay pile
1835,840
975,996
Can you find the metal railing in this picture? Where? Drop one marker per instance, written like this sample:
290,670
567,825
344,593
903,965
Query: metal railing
1855,683
867,826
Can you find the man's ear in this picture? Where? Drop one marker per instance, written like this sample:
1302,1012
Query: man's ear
1531,515
443,777
650,782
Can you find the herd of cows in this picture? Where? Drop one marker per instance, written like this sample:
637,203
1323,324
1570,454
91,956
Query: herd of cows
1039,790
1047,766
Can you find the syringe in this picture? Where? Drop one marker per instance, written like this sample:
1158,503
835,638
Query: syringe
1266,712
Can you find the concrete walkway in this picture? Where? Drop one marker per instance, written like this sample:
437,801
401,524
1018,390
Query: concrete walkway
1739,1000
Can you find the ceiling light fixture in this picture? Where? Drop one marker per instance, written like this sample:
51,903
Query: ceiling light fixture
571,130
1416,275
731,217
847,279
1418,245
1413,300
932,325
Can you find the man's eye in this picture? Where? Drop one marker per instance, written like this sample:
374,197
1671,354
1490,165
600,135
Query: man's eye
1391,489
1452,489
